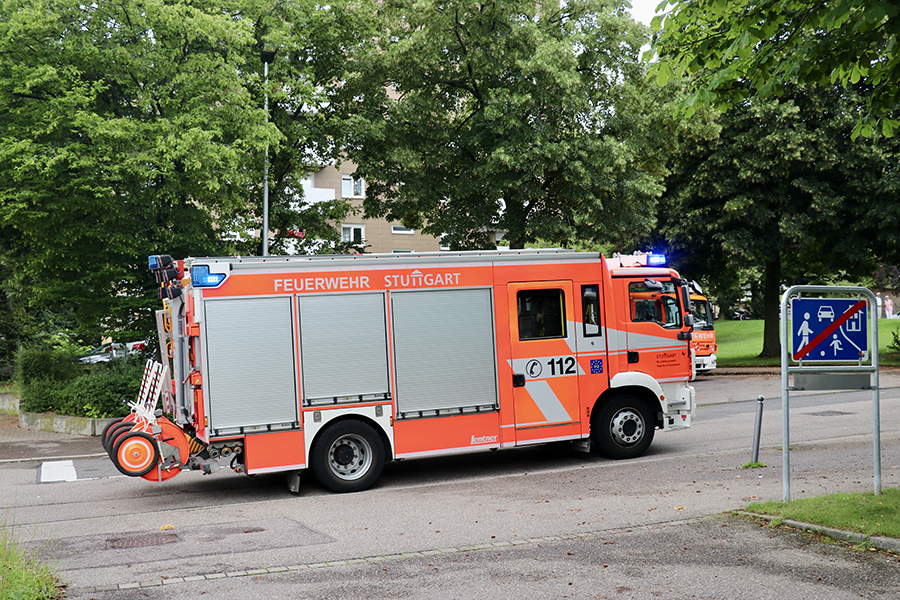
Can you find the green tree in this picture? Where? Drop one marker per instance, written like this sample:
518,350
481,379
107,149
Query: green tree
784,190
138,127
524,117
730,49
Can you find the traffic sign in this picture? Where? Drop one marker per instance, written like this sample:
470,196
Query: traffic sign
829,329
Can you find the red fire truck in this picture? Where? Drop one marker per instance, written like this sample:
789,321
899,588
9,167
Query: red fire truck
337,364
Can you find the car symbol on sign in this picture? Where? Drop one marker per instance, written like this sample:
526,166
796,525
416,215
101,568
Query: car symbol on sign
826,312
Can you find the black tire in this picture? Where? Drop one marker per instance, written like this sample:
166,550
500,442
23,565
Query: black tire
624,428
114,433
347,456
107,428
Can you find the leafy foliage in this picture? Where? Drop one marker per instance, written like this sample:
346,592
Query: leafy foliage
527,118
138,127
785,193
731,49
45,363
98,392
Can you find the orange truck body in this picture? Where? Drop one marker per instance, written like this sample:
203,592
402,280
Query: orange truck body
703,342
337,364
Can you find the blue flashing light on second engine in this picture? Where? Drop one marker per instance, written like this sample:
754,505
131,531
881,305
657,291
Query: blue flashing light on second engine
656,260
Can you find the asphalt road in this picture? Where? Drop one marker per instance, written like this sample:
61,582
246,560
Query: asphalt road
541,522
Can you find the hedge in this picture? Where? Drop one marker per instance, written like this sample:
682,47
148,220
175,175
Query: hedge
50,383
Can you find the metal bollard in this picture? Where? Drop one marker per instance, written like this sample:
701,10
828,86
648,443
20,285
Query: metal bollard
756,433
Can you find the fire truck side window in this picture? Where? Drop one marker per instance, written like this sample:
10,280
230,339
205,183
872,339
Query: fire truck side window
659,307
542,314
590,302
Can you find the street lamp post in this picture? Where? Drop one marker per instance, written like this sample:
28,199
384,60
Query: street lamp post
268,56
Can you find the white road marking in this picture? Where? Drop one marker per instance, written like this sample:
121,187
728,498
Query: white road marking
61,470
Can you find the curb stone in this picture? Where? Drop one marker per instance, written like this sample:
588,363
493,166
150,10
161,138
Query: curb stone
62,423
881,543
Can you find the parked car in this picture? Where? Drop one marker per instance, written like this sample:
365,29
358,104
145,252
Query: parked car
740,315
111,351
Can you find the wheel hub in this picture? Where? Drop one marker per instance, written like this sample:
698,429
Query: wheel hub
350,457
627,427
343,454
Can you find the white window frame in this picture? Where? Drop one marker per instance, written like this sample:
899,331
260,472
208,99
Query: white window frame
400,230
350,227
352,187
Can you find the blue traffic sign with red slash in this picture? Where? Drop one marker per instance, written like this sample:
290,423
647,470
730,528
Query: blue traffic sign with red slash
829,329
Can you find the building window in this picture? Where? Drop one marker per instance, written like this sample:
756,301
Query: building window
401,230
353,234
395,251
352,187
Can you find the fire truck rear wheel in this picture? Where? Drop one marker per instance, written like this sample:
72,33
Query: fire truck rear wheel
623,428
347,456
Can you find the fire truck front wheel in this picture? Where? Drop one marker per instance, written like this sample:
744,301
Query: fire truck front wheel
347,456
623,428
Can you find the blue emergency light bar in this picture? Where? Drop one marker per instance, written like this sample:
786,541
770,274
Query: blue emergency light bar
656,260
202,278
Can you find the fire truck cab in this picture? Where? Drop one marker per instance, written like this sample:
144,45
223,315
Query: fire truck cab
336,364
703,341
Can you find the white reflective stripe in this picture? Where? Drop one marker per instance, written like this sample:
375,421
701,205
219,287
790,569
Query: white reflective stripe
571,335
547,402
61,470
640,341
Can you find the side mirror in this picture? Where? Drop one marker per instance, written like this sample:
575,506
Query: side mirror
653,285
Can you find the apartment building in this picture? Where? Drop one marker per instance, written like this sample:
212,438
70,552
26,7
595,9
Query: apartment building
378,235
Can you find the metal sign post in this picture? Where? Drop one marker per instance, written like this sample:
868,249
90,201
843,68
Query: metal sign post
821,338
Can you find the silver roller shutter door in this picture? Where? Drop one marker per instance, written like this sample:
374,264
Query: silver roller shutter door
343,345
250,354
444,347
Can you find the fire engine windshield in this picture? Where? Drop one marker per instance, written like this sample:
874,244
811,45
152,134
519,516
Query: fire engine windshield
703,314
657,306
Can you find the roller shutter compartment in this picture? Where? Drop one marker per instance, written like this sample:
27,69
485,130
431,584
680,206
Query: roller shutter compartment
343,347
251,363
444,351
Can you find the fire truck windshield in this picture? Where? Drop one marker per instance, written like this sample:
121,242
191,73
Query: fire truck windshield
703,314
659,307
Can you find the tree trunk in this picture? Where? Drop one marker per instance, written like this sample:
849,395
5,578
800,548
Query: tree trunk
514,221
772,304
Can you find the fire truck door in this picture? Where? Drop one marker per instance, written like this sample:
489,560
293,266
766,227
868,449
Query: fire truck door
654,324
545,369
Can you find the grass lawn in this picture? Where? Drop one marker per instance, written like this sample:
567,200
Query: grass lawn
740,343
863,513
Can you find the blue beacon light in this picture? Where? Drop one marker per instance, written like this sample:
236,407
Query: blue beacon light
202,278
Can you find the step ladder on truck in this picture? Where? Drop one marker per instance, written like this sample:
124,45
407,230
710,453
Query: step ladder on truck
337,364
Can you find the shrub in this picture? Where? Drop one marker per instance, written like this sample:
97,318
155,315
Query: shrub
98,392
894,346
104,391
43,395
45,363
